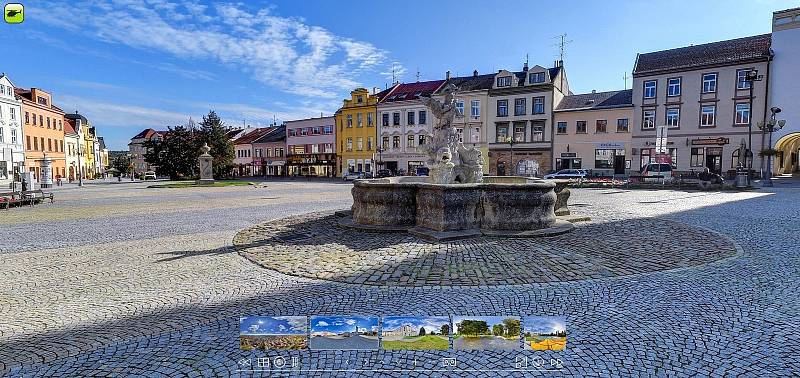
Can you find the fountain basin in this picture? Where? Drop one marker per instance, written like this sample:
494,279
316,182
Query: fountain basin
451,211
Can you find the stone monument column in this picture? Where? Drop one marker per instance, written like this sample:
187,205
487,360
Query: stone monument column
206,166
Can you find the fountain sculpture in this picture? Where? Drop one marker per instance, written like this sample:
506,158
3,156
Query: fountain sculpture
455,201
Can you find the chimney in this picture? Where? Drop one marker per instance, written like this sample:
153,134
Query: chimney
594,91
475,73
374,90
525,66
447,75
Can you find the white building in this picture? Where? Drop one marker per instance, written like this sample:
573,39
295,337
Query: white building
12,152
784,87
402,331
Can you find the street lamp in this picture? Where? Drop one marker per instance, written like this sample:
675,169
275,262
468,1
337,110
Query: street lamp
511,140
380,157
750,77
770,127
80,170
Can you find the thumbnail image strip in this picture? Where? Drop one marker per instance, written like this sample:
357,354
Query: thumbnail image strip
486,332
344,333
545,332
273,332
415,333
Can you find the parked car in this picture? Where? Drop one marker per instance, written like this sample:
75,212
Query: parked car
567,174
384,173
353,176
658,169
149,175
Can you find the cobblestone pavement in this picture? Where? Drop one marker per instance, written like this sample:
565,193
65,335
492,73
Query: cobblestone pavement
313,246
149,285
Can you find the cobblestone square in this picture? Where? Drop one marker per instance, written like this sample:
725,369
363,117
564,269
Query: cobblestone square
118,279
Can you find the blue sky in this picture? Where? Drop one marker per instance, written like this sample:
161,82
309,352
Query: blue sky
128,65
339,324
544,324
273,325
431,323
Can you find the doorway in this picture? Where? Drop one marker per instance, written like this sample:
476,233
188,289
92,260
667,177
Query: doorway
619,164
714,159
501,168
392,166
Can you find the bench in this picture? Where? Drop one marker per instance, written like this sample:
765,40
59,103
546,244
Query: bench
37,195
12,198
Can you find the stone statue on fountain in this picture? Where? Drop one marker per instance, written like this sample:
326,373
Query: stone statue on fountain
449,160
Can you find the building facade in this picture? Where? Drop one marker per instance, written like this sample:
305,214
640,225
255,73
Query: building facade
403,124
72,142
701,96
311,147
592,132
137,149
43,125
247,160
472,102
272,150
784,86
356,125
520,119
12,149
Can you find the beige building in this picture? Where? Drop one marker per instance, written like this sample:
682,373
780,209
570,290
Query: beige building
520,119
784,87
702,95
593,133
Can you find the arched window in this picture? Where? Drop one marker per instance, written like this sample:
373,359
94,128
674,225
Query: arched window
735,158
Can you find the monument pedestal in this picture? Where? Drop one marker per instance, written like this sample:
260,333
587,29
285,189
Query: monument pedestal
206,166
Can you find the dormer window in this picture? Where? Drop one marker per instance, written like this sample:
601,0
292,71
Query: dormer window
417,94
41,100
504,81
536,77
360,99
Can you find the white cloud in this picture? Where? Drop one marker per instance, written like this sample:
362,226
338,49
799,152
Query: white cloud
106,114
322,323
253,328
281,327
282,52
350,321
394,71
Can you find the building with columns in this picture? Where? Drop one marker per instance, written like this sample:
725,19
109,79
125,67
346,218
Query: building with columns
784,87
12,149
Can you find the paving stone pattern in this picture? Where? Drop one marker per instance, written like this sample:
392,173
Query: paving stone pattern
157,290
313,246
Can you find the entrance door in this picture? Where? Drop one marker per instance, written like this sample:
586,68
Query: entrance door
392,166
566,163
501,169
619,164
714,163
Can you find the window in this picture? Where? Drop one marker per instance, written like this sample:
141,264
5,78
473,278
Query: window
421,139
674,86
460,134
59,125
519,107
410,141
650,89
648,119
601,126
504,81
538,105
2,137
41,100
396,141
28,142
385,143
646,157
304,132
604,158
370,143
475,108
359,99
673,117
327,130
735,158
709,83
370,122
13,136
460,107
741,79
36,144
349,120
360,143
259,152
502,108
742,114
385,119
48,123
360,120
268,152
537,131
561,128
708,115
536,77
28,118
622,125
697,157
13,113
292,132
49,144
519,132
41,121
502,133
279,152
327,148
316,130
410,117
396,118
580,127
60,144
423,117
349,144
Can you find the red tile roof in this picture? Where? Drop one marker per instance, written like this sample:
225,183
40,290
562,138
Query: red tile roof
68,126
253,135
693,57
413,90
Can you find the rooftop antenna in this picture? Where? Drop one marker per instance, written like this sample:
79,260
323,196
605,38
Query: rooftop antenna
625,80
562,44
393,75
417,74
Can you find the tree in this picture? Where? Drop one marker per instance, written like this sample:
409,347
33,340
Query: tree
214,133
512,326
445,330
498,330
473,327
122,163
175,154
422,331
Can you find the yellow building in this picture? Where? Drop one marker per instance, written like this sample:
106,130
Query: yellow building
86,149
356,135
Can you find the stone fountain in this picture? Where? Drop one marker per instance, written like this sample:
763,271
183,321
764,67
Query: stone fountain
455,201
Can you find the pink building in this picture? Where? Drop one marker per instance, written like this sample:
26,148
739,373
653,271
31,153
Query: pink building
270,153
245,158
310,147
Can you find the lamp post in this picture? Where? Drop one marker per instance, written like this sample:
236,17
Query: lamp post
770,127
80,157
750,77
511,140
380,157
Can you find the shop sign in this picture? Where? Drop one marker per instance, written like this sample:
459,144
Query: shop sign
710,141
609,146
